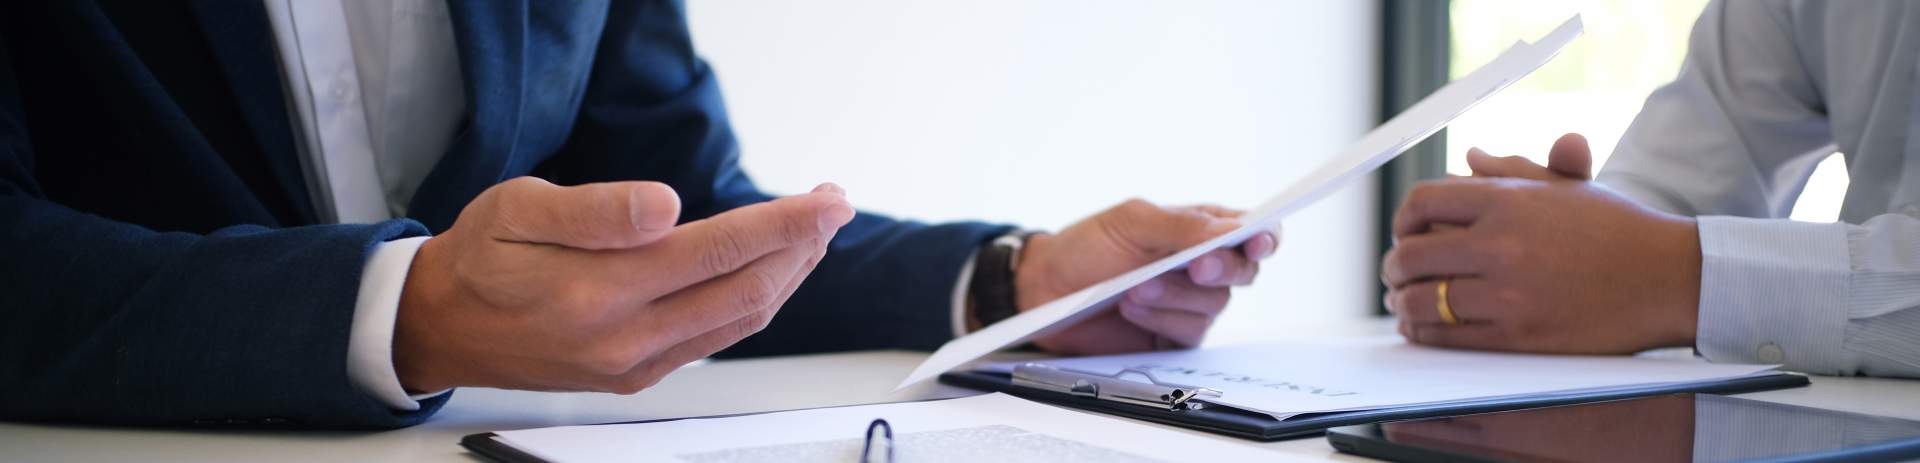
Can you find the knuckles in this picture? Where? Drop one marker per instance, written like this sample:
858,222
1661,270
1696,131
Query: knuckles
725,247
633,384
1400,301
1503,252
511,194
1135,208
794,226
757,322
1398,259
521,183
747,326
761,287
612,358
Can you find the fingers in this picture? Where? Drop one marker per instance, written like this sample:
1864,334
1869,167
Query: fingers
761,286
1217,211
727,334
1174,307
1487,165
1223,267
1232,267
726,242
1173,291
1106,333
1571,157
1263,245
1463,336
609,215
1419,303
1457,201
682,315
1183,327
1156,231
1441,253
653,369
650,370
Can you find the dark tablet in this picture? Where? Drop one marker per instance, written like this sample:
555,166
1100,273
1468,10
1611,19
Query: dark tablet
1666,428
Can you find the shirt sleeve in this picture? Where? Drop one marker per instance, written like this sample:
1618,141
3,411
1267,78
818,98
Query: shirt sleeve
370,347
959,303
1738,132
1825,298
1736,149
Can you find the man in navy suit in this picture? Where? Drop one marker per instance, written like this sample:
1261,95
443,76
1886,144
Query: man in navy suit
321,214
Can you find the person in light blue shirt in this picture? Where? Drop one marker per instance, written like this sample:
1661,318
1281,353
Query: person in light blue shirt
1683,240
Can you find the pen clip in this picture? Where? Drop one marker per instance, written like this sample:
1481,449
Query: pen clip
1115,387
879,442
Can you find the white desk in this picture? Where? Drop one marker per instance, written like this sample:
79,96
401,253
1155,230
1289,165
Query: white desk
716,388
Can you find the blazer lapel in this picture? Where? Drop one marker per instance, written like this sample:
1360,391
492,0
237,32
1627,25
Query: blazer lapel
242,42
491,37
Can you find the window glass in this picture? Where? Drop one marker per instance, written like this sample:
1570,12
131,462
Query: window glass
1595,87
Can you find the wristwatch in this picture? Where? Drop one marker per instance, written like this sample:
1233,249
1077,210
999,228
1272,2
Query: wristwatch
991,293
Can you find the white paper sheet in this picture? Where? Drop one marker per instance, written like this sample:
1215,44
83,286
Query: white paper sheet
1293,377
1370,152
992,427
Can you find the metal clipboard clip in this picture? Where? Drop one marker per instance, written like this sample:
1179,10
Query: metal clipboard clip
1115,387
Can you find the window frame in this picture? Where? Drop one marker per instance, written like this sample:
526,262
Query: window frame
1416,50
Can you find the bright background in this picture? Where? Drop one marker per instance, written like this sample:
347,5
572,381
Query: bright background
1595,87
1040,113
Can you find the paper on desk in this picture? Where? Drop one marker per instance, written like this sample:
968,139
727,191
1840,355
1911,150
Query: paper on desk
992,427
1288,378
1376,148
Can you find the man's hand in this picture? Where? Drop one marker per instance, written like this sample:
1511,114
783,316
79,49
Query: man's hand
593,288
1171,310
1539,259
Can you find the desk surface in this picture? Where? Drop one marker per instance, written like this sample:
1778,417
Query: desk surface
805,381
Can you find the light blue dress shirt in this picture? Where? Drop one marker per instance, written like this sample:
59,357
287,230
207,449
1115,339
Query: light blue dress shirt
374,91
1769,88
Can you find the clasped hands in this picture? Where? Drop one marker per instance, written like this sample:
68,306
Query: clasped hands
595,287
1540,259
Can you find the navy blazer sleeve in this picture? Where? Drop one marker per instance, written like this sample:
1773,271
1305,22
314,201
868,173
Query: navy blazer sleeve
652,110
107,322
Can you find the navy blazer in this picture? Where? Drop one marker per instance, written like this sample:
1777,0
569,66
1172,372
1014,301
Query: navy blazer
160,263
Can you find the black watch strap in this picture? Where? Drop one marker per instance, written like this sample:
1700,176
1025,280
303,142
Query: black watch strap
991,291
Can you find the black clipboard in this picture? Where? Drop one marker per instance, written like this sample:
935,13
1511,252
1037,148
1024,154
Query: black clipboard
486,446
1258,426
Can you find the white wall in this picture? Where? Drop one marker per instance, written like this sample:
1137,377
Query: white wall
1043,112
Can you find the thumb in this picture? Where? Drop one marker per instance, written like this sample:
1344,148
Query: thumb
1571,157
610,215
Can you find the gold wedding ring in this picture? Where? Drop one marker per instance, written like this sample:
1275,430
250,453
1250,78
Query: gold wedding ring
1446,310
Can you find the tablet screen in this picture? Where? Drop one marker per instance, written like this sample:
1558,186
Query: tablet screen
1669,428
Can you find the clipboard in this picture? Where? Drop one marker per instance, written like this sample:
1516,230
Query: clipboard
1142,397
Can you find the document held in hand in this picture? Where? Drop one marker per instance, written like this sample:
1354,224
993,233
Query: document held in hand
1376,148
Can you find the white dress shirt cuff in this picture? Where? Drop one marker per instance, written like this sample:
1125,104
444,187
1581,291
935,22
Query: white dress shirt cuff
370,347
1774,291
960,295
